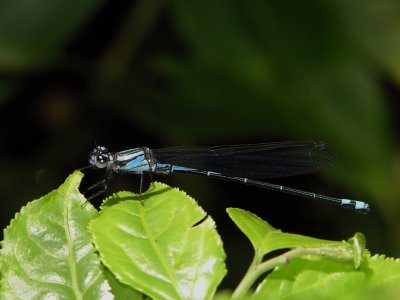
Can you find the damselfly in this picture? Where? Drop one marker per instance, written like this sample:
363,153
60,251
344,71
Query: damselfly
236,163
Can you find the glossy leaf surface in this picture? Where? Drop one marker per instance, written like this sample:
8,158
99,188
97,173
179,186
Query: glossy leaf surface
266,238
47,251
160,243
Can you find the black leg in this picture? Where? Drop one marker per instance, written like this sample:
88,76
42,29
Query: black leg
141,183
141,188
100,185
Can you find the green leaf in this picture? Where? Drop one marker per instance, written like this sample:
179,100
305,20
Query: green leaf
160,243
47,250
320,278
311,278
121,291
223,295
266,238
251,225
383,277
359,244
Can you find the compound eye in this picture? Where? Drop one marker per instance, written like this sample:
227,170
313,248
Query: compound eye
101,161
101,149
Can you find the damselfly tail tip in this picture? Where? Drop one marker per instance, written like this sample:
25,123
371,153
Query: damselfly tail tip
359,206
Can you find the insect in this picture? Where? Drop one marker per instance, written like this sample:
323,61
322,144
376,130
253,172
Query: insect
245,164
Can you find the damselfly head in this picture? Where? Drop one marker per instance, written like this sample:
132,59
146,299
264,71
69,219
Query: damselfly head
98,158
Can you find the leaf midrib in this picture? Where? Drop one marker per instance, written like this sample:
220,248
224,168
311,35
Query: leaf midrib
71,260
157,250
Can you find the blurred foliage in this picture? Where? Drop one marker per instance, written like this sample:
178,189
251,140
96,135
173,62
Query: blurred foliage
189,72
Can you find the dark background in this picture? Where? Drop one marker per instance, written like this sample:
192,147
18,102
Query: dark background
167,73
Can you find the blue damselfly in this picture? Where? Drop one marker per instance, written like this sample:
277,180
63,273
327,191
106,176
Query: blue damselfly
235,163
